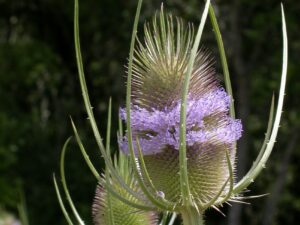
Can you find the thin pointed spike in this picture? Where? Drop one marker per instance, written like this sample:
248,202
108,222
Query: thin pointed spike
83,85
251,196
215,198
159,202
229,193
184,182
120,133
269,147
126,201
88,104
22,209
173,217
254,196
146,177
83,152
231,177
224,63
108,197
162,25
240,202
219,40
218,210
109,205
108,129
61,203
128,91
64,182
268,133
263,148
143,168
121,162
108,164
84,90
128,103
164,218
132,212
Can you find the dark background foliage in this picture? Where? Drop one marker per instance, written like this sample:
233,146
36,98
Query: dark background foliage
39,90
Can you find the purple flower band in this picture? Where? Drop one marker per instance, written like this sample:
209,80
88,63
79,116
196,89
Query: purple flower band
207,121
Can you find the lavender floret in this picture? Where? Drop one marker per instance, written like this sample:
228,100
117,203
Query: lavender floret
207,121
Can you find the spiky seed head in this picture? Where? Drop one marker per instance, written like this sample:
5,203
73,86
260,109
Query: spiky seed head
159,69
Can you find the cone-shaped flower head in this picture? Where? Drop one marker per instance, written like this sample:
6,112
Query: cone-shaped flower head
159,69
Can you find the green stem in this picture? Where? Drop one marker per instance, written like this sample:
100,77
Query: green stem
191,216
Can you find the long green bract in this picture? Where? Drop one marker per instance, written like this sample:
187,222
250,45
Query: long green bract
231,183
184,183
61,203
22,209
213,201
226,74
151,197
252,174
111,190
239,186
84,153
128,104
88,106
108,128
223,58
173,217
143,168
64,183
108,133
145,181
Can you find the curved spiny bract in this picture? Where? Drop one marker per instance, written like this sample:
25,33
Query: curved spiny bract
109,210
159,69
118,212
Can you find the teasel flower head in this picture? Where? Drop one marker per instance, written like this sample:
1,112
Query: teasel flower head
180,121
160,67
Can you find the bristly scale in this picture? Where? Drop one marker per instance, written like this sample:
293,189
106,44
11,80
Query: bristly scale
159,68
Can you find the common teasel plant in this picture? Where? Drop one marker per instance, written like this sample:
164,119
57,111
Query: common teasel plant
177,156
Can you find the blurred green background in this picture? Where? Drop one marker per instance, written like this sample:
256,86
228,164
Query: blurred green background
39,90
